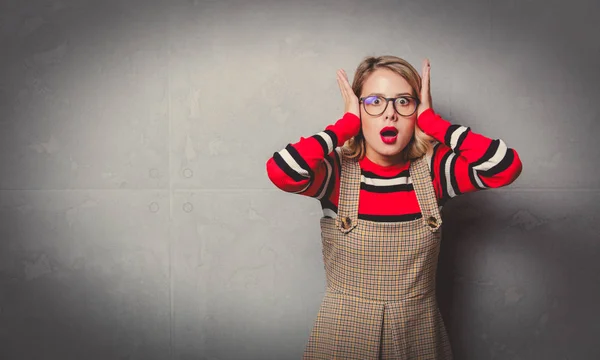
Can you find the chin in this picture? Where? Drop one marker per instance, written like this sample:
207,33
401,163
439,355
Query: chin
389,152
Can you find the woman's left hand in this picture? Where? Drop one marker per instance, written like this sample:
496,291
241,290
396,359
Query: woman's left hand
425,98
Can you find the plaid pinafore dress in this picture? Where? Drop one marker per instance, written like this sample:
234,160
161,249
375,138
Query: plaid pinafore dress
380,298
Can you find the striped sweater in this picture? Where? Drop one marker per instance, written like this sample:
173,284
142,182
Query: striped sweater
462,161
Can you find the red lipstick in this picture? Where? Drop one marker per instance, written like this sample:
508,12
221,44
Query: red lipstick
389,134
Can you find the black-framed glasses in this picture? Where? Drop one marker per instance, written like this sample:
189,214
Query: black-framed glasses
404,105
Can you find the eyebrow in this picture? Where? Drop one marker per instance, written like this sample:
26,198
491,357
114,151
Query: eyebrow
380,94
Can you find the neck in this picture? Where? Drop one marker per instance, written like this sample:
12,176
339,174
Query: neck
385,160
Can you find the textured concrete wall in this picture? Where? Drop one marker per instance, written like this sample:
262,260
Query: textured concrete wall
137,220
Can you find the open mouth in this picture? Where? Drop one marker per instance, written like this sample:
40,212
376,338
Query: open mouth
389,134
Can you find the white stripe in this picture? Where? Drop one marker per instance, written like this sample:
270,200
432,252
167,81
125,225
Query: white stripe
403,180
330,213
494,160
449,187
327,139
455,135
478,180
303,190
329,171
292,163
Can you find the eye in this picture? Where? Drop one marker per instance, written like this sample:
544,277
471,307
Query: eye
372,100
403,101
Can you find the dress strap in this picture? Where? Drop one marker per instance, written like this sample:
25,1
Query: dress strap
421,178
347,217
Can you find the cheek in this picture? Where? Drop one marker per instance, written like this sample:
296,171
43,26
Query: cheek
407,129
368,125
410,124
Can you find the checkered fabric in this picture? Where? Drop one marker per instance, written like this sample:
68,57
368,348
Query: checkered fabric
380,299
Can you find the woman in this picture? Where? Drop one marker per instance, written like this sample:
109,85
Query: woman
381,174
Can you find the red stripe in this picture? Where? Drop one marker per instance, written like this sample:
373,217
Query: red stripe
395,203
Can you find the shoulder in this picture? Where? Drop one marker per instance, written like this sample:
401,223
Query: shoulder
344,154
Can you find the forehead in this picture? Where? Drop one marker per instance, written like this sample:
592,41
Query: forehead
386,82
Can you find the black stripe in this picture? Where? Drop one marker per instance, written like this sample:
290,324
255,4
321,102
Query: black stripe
339,162
323,144
501,166
296,156
390,218
473,181
432,169
334,138
448,137
442,202
460,141
443,175
326,204
386,189
453,181
489,153
287,169
371,175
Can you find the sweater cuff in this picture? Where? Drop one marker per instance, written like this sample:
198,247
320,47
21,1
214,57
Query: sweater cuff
345,128
433,124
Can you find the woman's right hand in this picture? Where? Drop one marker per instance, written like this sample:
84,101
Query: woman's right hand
351,101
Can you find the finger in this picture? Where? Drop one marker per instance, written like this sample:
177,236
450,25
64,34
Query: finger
428,73
342,86
343,77
347,85
429,78
425,78
339,82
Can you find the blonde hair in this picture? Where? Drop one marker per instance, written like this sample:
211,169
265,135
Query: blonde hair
420,142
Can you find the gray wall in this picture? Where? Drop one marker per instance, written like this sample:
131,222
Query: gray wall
137,220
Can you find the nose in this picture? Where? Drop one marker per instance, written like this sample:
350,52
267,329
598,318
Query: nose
390,112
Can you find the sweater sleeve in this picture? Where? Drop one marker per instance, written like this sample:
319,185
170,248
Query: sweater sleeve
310,166
464,161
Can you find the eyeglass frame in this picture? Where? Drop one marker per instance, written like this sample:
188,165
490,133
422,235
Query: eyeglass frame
387,103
